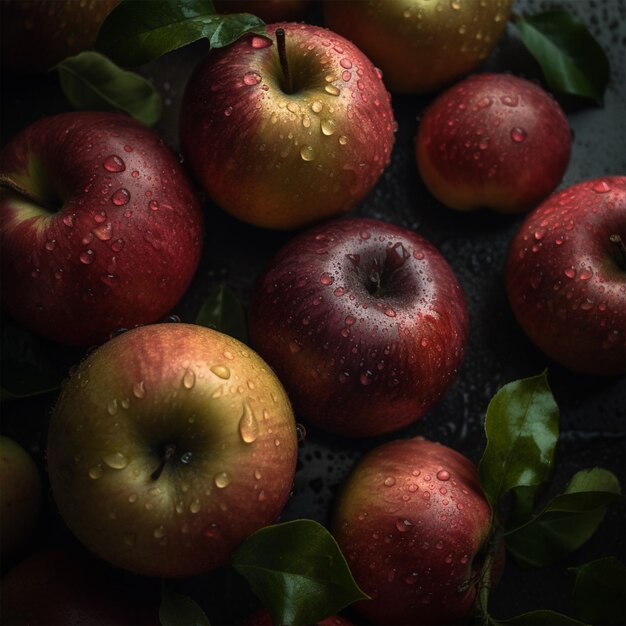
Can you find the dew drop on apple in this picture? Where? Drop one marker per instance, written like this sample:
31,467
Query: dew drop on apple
316,106
390,481
307,153
132,498
186,458
221,371
332,90
228,111
443,475
221,480
343,140
260,42
87,257
195,506
117,460
328,127
326,279
120,197
189,379
366,378
570,272
153,205
403,525
248,425
96,472
114,163
251,78
518,135
601,186
139,389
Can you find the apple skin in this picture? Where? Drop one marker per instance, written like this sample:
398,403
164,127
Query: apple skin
111,235
263,618
232,438
64,587
412,521
284,160
566,280
355,363
420,45
268,10
38,34
20,496
493,140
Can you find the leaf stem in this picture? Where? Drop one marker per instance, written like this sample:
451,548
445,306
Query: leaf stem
284,63
8,183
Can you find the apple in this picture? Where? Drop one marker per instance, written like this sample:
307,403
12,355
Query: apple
263,618
169,445
493,140
286,131
64,587
421,45
99,226
364,322
38,34
412,522
566,276
267,10
20,496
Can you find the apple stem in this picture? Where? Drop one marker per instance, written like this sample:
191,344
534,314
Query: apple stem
621,247
10,184
375,287
168,453
284,64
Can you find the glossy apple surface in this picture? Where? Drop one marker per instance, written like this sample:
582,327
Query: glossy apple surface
364,322
420,45
282,155
493,140
268,10
20,496
168,446
99,227
38,34
411,521
566,276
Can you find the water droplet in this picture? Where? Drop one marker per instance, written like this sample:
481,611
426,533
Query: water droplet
326,279
460,506
252,78
96,472
260,42
328,127
114,163
443,475
104,232
186,458
228,111
346,63
518,135
248,425
601,186
300,432
390,481
117,460
50,245
585,274
112,407
195,506
222,480
403,525
153,205
139,390
120,197
455,4
366,378
87,257
316,106
570,272
307,153
332,90
343,140
509,101
189,379
221,371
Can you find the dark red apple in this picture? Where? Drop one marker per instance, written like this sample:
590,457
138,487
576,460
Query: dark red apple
566,276
364,322
281,136
493,140
268,10
99,226
412,522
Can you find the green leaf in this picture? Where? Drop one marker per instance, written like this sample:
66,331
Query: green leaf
567,522
572,61
541,617
137,31
599,592
91,81
522,427
179,610
298,572
223,311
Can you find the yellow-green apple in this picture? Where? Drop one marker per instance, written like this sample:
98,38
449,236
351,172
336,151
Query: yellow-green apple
37,34
169,445
566,276
20,496
263,618
285,131
412,522
267,10
421,45
65,587
364,322
99,226
493,140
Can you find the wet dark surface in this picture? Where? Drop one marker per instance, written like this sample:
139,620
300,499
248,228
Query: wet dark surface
592,408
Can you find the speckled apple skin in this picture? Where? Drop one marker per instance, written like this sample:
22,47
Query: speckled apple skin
281,160
353,363
494,141
410,520
566,280
89,266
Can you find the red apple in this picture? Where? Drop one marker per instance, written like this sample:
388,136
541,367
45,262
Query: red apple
364,322
20,496
281,144
170,445
420,45
64,587
263,618
267,10
566,276
412,522
99,227
493,140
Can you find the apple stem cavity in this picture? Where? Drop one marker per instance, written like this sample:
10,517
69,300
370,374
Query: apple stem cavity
281,42
618,242
8,183
168,453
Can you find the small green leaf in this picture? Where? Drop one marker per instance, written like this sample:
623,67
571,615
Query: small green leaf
542,617
572,61
522,427
600,592
224,312
137,31
91,81
567,522
179,610
298,572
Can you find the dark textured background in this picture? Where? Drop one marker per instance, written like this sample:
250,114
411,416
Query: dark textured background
592,408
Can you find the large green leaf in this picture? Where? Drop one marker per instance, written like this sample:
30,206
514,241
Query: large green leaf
298,572
567,522
522,427
223,311
91,81
571,59
177,609
600,592
137,31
